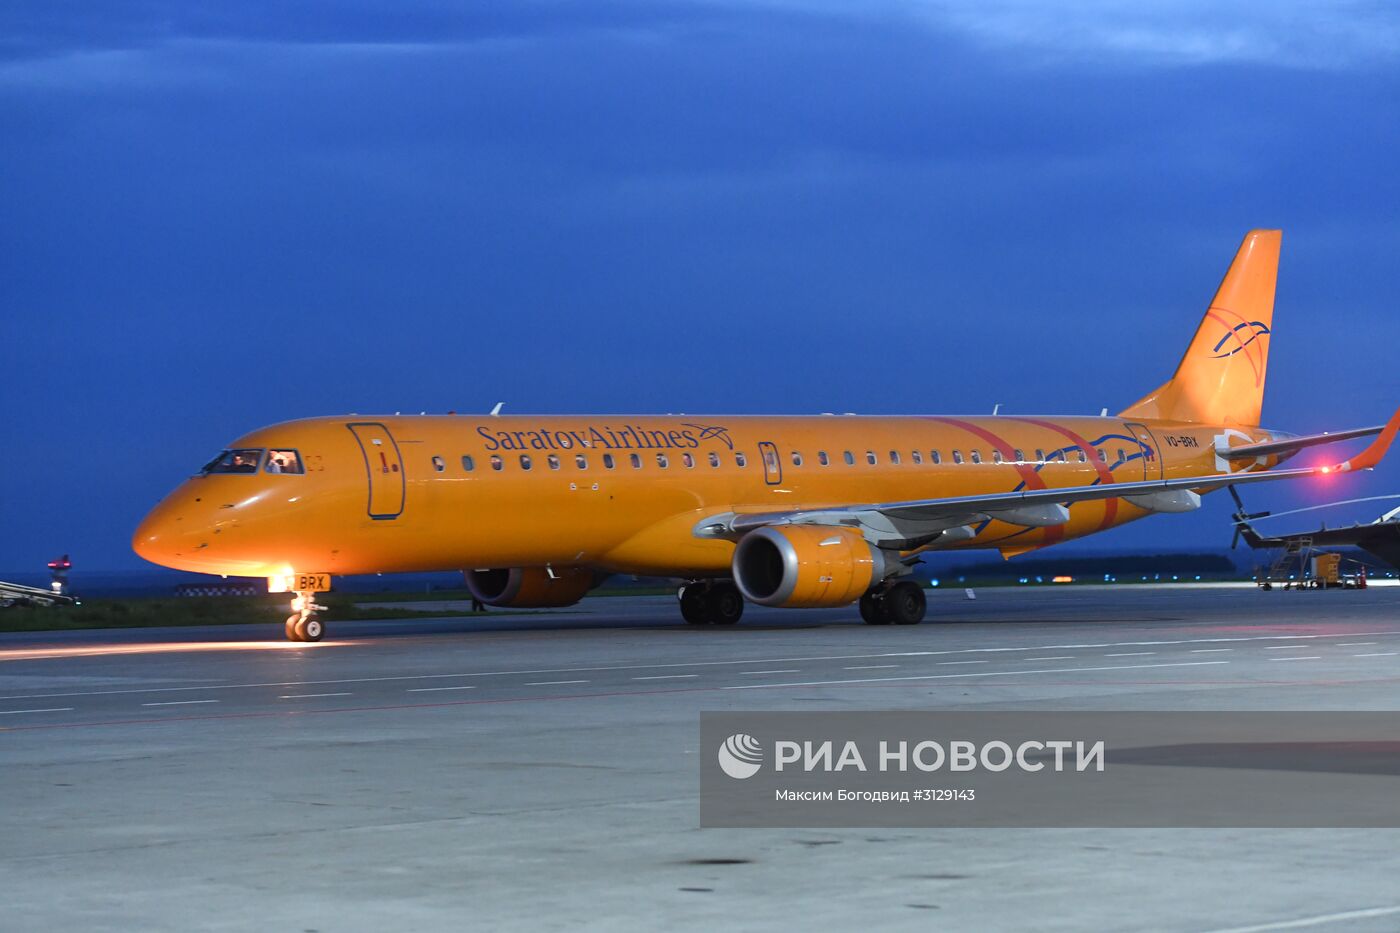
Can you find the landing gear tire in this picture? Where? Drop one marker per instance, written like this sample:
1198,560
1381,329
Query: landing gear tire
710,603
302,624
694,605
904,603
726,604
872,608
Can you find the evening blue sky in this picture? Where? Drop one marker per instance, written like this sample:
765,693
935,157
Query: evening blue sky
217,216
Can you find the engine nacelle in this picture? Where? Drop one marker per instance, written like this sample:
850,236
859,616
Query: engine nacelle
529,587
806,566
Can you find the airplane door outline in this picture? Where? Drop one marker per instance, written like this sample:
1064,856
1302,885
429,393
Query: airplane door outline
1152,465
383,469
772,463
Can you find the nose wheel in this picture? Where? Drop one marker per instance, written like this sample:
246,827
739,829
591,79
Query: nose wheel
302,624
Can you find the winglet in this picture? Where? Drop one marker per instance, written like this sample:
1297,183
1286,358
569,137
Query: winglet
1377,449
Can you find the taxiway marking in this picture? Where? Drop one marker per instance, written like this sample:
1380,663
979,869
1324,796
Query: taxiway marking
701,664
1048,670
1319,920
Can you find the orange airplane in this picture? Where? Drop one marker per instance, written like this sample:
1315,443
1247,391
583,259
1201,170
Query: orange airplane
780,511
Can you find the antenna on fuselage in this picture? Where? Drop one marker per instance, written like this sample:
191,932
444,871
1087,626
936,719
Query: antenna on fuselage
497,410
996,408
1103,413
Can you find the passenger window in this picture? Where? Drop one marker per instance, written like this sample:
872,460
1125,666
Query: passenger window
608,461
289,461
796,458
996,456
741,460
976,456
918,457
1121,458
525,462
894,457
935,457
957,456
1020,455
714,459
438,464
662,462
1103,458
1039,455
1082,458
553,461
235,461
688,460
468,464
636,461
870,457
581,461
496,462
850,458
823,459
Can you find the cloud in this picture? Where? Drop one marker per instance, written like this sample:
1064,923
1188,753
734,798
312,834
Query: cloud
1289,34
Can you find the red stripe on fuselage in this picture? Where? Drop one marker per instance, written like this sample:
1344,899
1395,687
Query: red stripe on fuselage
1029,476
1110,506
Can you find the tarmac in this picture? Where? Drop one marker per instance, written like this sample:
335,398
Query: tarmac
539,771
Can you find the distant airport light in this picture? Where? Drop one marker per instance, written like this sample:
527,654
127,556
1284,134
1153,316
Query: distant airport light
1062,579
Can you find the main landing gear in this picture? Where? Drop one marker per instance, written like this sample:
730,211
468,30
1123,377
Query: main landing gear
302,624
710,602
900,602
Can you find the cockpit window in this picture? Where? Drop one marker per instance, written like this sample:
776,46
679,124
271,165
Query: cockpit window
243,460
289,461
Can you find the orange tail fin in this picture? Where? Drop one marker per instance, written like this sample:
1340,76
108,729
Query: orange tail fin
1220,380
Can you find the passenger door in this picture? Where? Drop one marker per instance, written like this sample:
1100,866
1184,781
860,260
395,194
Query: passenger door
772,463
1147,446
384,467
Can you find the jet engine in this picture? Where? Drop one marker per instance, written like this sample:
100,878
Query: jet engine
530,587
806,566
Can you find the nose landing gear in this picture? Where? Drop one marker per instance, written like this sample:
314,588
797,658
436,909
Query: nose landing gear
302,624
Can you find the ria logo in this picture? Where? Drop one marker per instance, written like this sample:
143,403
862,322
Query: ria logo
709,432
740,756
1244,333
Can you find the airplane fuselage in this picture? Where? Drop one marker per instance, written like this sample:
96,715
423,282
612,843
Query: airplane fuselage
625,493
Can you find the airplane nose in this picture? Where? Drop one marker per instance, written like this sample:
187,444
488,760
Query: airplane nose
154,538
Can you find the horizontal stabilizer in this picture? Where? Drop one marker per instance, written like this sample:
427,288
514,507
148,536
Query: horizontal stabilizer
1289,445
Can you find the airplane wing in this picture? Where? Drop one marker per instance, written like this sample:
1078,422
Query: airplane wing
910,524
